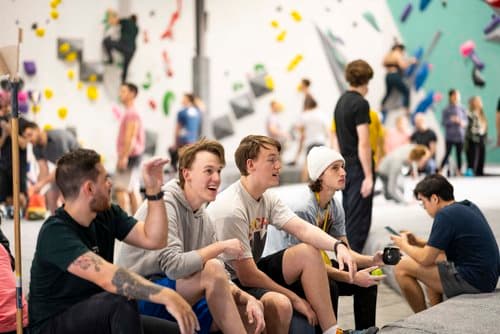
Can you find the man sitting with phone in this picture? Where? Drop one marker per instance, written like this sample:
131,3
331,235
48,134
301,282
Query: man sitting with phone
461,232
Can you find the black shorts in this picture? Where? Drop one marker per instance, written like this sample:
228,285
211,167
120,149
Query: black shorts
272,266
6,189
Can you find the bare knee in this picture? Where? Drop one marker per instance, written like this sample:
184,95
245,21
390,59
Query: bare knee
277,306
213,273
404,268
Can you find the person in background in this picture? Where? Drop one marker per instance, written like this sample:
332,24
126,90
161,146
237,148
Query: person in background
130,145
398,135
396,63
427,137
305,88
377,136
313,131
125,44
390,168
461,255
475,136
187,128
454,120
6,176
48,147
273,124
352,119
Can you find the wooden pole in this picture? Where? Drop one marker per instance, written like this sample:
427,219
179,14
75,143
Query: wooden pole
15,178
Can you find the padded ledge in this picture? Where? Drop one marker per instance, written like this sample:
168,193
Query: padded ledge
478,313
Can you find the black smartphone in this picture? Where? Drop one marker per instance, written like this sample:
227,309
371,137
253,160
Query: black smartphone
391,230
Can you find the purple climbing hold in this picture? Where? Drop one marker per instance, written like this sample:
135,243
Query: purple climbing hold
29,67
495,21
406,12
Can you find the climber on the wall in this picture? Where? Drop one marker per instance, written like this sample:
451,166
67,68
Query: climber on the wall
125,44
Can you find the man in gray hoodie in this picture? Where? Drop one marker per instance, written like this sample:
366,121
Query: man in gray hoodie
189,263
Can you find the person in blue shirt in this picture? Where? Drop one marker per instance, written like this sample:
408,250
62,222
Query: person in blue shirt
454,121
461,255
187,130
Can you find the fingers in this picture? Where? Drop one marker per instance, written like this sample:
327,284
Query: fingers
370,269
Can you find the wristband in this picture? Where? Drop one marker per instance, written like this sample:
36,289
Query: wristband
155,197
336,245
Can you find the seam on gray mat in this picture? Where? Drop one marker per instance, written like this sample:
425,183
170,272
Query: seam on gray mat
417,329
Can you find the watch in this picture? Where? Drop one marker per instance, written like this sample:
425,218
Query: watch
155,197
336,245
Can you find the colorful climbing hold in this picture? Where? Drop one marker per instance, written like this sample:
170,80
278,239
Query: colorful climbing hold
92,93
70,74
62,112
370,18
40,32
274,24
48,93
294,62
296,16
281,36
168,98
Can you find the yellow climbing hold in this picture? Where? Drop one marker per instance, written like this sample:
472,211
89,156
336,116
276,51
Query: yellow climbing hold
269,82
35,108
79,85
48,127
71,74
281,36
294,62
54,14
92,78
40,32
71,57
48,93
92,93
274,24
62,112
64,47
296,15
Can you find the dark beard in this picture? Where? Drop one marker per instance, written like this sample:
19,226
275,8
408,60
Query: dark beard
99,204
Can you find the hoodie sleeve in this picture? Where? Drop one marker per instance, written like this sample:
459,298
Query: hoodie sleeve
173,260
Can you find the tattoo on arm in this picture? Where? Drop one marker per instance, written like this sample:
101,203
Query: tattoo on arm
130,285
88,260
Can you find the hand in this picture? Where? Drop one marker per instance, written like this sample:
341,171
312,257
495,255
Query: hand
5,128
182,312
401,239
344,258
122,163
233,248
377,259
364,279
152,172
366,187
37,187
303,306
255,313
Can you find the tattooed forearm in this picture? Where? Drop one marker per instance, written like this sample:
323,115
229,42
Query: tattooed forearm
88,260
130,285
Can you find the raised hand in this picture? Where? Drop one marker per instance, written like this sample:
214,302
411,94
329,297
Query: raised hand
153,174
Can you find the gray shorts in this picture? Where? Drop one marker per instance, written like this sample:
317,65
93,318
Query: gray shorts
453,284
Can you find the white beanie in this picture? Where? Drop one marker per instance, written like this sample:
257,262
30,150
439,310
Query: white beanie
319,158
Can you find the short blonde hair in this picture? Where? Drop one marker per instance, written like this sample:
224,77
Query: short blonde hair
417,153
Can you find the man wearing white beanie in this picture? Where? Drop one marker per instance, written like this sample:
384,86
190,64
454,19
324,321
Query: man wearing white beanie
327,174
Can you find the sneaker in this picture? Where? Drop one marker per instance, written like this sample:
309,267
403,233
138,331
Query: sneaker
370,330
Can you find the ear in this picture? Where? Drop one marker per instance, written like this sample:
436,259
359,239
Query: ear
250,165
87,188
186,173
